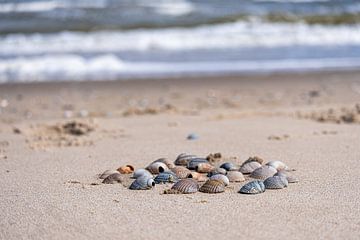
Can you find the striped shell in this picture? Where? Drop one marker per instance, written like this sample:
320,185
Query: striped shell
229,166
204,168
290,178
167,162
142,172
278,165
142,183
186,186
222,178
263,172
253,187
107,173
213,186
254,159
166,177
198,176
181,172
249,167
126,169
192,164
217,171
275,182
235,176
183,159
157,167
113,178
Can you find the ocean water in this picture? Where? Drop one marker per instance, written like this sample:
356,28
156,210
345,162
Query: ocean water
76,40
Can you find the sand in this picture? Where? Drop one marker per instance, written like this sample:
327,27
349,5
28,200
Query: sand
47,175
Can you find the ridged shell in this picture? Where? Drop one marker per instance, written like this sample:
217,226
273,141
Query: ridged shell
142,183
167,162
113,178
166,177
183,159
253,187
181,172
214,158
142,172
217,171
290,178
222,178
275,182
278,165
107,173
229,166
213,186
126,169
235,176
186,186
196,161
263,172
204,168
157,167
255,159
249,167
198,177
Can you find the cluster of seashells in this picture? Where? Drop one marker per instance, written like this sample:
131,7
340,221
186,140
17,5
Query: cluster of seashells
190,174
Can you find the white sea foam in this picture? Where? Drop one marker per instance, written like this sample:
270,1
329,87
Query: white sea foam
166,7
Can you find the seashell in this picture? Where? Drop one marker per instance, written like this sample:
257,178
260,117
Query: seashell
278,165
165,177
183,159
157,167
214,158
167,162
113,178
253,187
229,166
249,166
186,186
255,159
217,171
198,176
289,178
142,183
263,172
126,169
107,173
276,182
142,172
204,168
221,177
181,172
235,176
196,161
192,136
213,186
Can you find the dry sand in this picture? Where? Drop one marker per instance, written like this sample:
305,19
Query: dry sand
46,174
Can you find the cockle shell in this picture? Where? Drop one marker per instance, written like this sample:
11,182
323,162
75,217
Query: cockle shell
290,178
186,186
249,167
107,173
204,168
142,172
275,182
157,167
126,169
217,171
229,166
196,161
184,158
198,177
253,187
213,186
167,162
263,172
181,172
278,165
165,177
235,176
222,178
142,183
113,178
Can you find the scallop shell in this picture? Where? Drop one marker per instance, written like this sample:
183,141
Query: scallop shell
181,172
204,168
253,187
142,183
290,178
107,173
113,178
186,186
196,161
142,172
249,167
275,182
126,169
263,172
278,165
229,166
167,162
213,186
166,177
183,159
222,178
217,171
198,177
235,176
157,167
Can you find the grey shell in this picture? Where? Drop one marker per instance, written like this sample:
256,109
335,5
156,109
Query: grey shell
229,166
107,173
289,177
217,171
278,165
186,186
142,172
183,159
263,172
235,176
157,167
113,178
213,186
222,178
275,182
142,183
249,167
192,164
181,172
253,187
166,177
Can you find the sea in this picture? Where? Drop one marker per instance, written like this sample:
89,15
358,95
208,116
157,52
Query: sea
77,40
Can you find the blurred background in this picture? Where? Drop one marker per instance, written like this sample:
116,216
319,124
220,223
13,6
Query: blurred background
76,40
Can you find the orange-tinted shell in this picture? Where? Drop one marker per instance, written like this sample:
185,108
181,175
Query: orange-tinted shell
126,169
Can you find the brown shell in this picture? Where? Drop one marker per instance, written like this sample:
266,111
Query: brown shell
198,177
204,168
254,159
186,186
249,167
214,158
107,173
168,163
181,172
113,178
235,176
278,165
291,178
263,172
126,169
213,186
157,167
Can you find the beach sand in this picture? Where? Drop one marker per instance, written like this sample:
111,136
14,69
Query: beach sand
49,185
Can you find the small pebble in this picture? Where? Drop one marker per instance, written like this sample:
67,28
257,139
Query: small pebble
192,136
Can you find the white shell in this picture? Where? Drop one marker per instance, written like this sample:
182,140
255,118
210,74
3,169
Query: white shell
142,172
222,178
